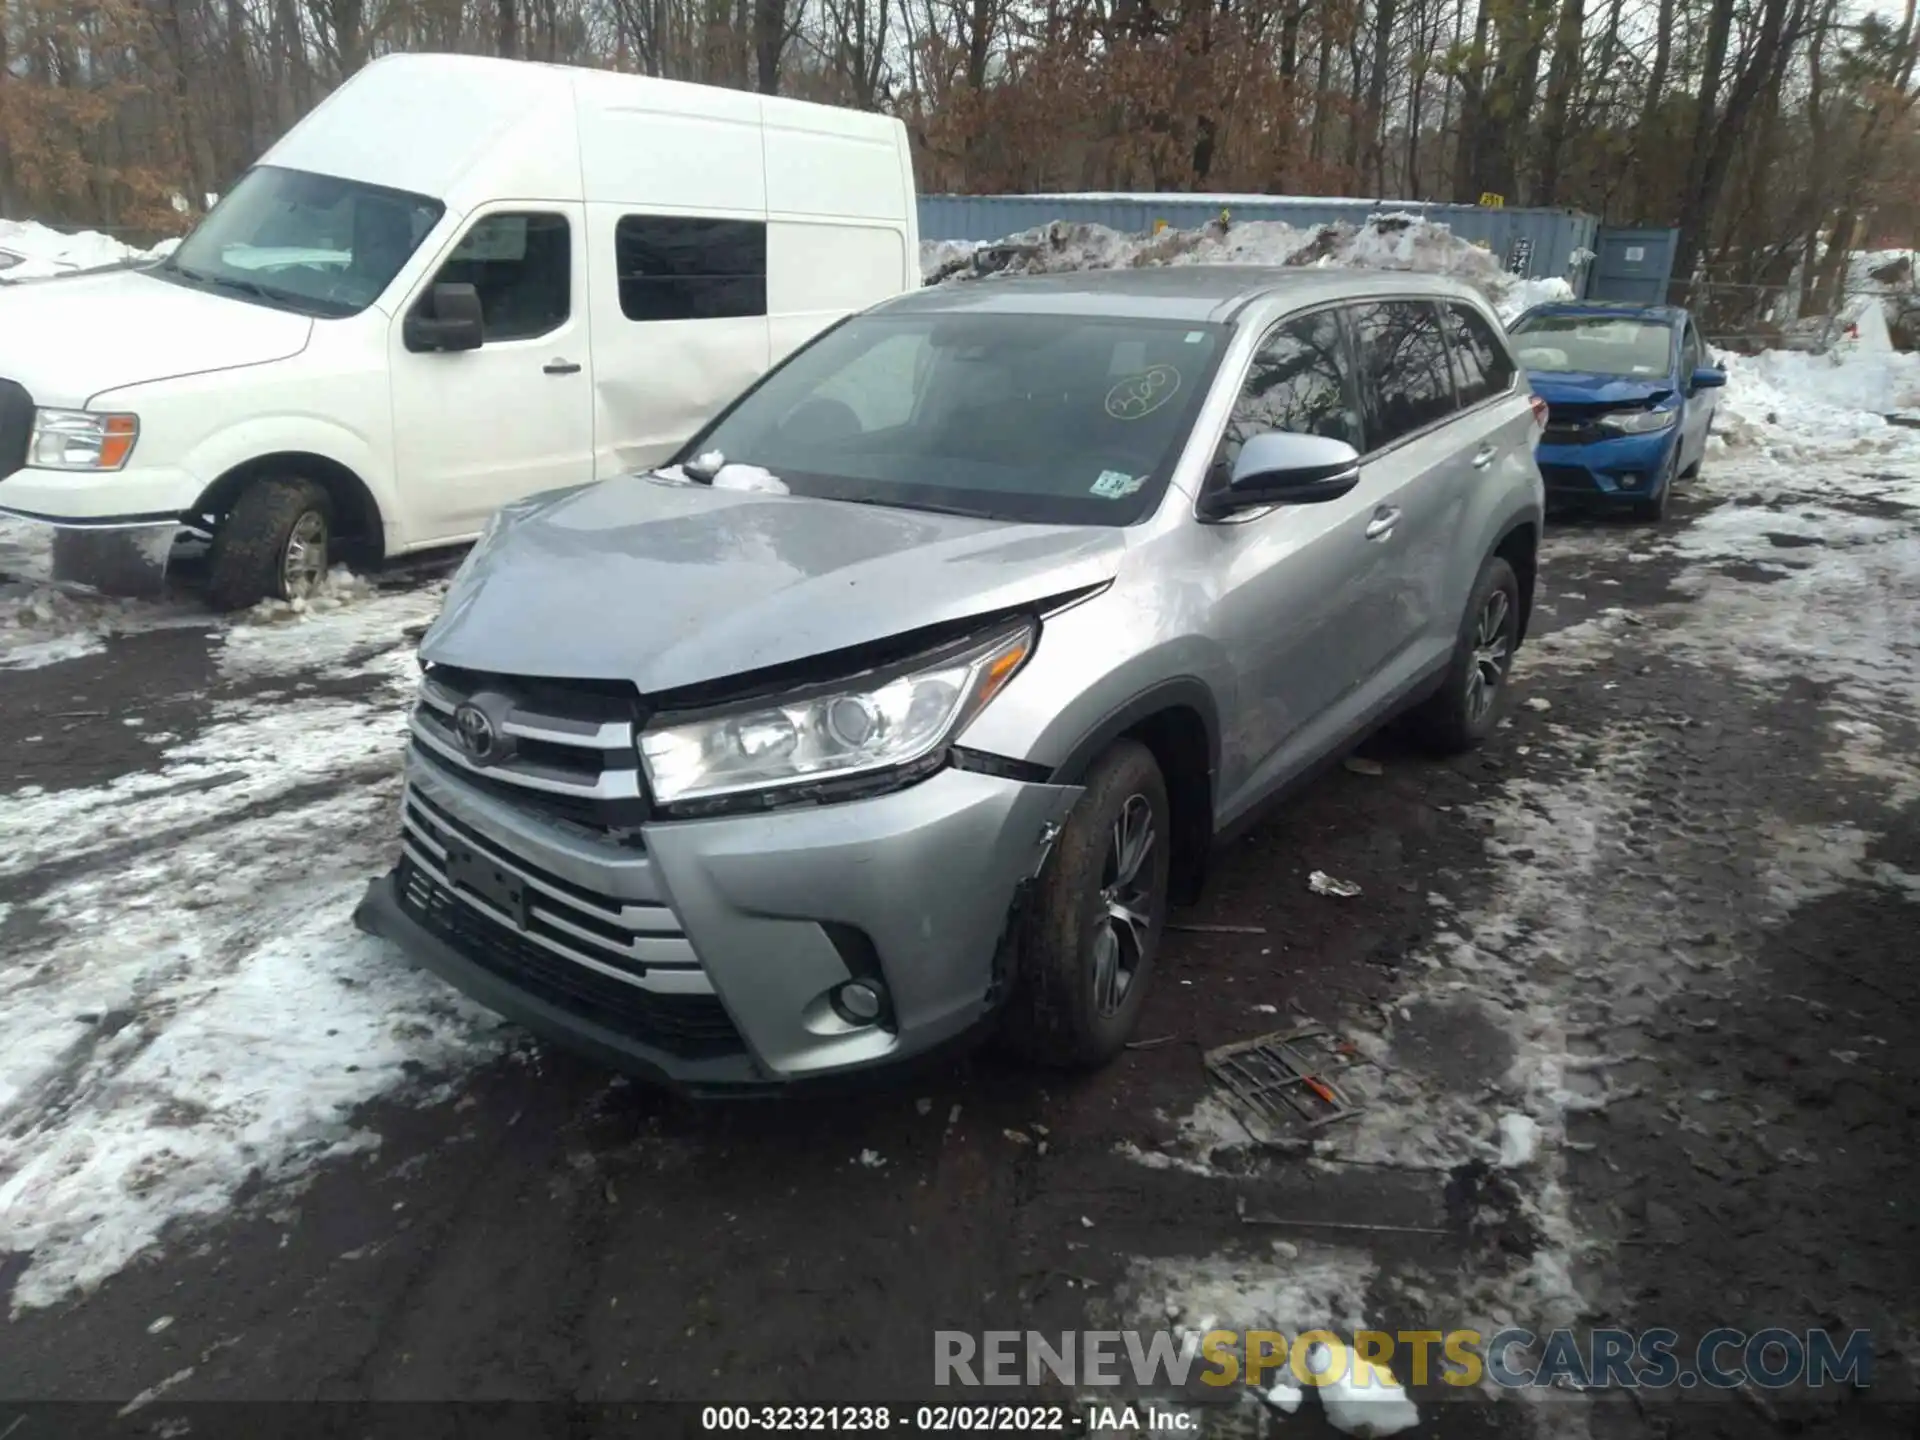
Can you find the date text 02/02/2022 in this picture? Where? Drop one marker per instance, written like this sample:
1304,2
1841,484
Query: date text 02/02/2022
945,1419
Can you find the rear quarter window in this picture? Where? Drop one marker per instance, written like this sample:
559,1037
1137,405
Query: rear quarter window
1481,366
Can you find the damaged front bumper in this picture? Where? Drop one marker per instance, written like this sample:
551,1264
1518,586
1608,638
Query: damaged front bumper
714,955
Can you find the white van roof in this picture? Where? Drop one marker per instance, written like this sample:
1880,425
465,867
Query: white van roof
464,128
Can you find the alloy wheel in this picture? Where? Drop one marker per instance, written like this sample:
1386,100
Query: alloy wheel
1125,922
303,564
1492,654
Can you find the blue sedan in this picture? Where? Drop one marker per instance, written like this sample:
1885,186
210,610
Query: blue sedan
1630,399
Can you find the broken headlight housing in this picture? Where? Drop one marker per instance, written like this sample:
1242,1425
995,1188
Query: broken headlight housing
887,721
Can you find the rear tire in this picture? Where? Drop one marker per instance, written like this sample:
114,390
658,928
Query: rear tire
1462,712
1091,931
272,545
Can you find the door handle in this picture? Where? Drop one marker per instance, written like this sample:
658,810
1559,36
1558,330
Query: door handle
1484,456
557,366
1382,523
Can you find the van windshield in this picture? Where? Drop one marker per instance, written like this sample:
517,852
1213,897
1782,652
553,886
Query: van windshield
297,241
1055,419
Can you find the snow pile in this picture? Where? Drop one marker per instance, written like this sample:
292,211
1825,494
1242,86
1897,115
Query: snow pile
1881,272
1784,400
1385,241
32,251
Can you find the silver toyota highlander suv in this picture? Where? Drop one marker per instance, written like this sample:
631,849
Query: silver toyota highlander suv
909,697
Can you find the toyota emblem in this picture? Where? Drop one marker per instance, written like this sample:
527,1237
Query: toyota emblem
474,727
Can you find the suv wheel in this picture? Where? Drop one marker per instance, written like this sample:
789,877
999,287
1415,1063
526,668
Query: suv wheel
273,544
1091,931
1462,711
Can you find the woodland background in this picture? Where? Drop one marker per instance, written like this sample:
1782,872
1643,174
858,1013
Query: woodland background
1758,127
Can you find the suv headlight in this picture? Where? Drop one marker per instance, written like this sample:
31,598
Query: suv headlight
890,720
81,440
1638,422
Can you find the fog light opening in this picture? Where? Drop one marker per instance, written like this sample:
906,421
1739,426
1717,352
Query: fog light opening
1630,480
860,1002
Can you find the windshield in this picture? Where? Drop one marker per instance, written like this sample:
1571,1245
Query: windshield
1049,418
1595,345
312,243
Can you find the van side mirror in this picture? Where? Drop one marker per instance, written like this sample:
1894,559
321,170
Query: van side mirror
448,319
1707,377
1280,468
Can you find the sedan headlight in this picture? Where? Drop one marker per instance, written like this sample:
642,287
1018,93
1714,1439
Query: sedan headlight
1638,422
887,721
81,440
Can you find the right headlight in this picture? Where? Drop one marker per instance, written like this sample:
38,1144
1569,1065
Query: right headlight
883,722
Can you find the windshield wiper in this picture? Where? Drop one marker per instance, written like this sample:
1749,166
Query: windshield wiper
226,282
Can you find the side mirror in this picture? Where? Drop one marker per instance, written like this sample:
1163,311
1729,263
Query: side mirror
1280,468
448,319
1707,378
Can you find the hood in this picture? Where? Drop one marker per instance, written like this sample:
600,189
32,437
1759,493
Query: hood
668,584
1580,387
69,339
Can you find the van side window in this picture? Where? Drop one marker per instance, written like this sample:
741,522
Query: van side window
1403,368
1299,381
672,267
1481,366
522,267
1689,354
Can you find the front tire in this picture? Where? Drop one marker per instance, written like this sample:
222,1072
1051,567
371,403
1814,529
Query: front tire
1654,509
272,545
1091,932
1462,712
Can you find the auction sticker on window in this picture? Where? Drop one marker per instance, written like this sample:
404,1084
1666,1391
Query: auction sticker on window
1113,484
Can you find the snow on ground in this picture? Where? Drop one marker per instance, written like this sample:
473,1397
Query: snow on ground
1385,241
44,624
189,1008
31,251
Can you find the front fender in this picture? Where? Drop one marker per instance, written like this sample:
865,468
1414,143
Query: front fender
238,444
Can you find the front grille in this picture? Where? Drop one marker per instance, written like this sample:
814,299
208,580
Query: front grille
637,943
16,426
1570,432
693,1027
564,748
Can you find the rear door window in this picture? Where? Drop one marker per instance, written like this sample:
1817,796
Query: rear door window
1300,381
1481,366
1403,368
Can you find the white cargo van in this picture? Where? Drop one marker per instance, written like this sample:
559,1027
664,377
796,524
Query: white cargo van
457,282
